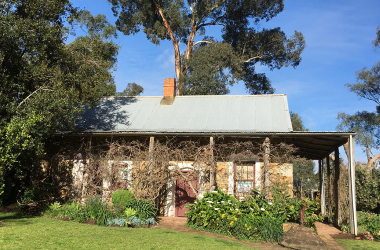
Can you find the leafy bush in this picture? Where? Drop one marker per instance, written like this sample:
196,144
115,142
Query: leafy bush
129,212
222,213
118,221
271,228
367,190
255,218
144,209
94,209
42,191
122,198
370,222
135,221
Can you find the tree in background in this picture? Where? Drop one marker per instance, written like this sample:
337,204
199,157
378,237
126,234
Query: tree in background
132,89
297,122
208,66
45,83
304,177
366,124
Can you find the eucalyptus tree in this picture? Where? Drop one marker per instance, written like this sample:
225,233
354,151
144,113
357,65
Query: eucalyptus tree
45,81
208,66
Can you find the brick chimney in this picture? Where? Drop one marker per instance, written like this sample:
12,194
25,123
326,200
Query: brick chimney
169,91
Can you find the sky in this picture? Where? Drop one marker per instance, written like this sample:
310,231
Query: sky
338,36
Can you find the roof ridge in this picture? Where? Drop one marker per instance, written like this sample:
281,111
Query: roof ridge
197,96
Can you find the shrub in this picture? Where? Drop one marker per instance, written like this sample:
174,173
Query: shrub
367,190
255,218
222,213
370,222
144,209
94,209
118,221
135,221
128,213
122,198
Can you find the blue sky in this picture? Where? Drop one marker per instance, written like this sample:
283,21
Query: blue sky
339,38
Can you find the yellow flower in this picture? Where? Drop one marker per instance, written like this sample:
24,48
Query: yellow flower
223,216
235,219
245,225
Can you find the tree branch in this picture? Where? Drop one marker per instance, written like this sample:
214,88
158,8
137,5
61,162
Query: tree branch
201,42
373,160
250,59
31,95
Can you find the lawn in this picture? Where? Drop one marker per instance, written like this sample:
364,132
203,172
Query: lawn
23,232
359,244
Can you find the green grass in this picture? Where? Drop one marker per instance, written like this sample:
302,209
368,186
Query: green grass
22,232
359,244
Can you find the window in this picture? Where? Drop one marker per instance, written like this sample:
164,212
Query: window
244,178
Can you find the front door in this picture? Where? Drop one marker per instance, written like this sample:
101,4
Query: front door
184,195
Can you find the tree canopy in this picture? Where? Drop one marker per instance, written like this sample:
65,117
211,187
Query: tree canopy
365,123
132,89
208,66
45,82
297,122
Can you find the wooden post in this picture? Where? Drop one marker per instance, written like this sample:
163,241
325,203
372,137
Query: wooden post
151,149
337,217
266,165
329,189
212,172
322,188
352,189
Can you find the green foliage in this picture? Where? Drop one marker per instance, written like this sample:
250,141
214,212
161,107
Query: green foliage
297,122
370,222
128,213
367,189
202,68
122,197
132,89
206,70
303,174
144,209
42,192
46,83
93,209
255,218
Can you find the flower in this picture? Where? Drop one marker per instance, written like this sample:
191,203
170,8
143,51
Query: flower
236,209
209,201
217,208
210,205
262,209
79,155
270,203
214,192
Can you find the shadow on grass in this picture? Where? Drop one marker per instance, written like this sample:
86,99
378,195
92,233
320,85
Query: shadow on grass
18,218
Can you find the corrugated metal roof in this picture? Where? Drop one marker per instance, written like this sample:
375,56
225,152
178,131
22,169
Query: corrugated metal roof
206,114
